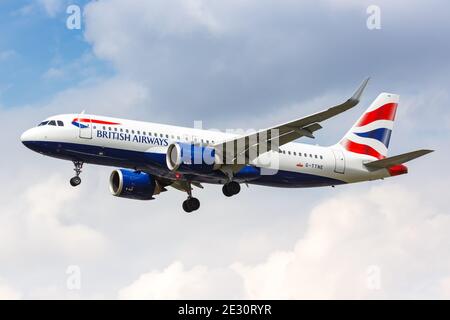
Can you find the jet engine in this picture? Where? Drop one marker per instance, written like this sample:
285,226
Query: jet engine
132,184
190,158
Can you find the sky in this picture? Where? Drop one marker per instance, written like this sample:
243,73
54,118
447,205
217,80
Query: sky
231,64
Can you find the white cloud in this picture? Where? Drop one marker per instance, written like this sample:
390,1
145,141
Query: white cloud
389,233
390,227
242,56
45,213
36,227
113,97
25,10
172,283
51,7
8,293
53,73
83,67
178,282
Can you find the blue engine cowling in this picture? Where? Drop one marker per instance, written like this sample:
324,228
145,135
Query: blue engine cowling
191,158
132,184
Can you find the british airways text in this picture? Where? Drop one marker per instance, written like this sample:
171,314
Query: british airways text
131,138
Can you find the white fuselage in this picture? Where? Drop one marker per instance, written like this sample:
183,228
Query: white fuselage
117,142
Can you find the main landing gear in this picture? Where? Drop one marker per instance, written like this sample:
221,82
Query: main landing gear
231,188
191,203
75,181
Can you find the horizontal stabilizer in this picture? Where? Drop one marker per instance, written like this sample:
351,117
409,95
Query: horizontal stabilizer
396,160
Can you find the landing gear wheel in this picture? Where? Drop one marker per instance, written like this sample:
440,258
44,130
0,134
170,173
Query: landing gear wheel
75,181
186,207
226,192
191,204
194,203
231,188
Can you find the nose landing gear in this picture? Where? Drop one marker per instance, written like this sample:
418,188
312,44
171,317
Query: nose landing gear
75,181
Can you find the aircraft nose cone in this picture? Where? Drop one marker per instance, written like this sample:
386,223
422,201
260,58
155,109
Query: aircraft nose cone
26,136
28,139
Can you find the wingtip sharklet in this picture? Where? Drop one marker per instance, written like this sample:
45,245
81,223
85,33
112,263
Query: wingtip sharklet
358,93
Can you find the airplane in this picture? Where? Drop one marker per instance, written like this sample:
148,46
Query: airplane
153,156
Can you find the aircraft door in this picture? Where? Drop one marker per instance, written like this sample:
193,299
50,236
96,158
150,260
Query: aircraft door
85,126
339,164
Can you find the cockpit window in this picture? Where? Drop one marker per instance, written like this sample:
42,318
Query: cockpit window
60,123
43,123
52,123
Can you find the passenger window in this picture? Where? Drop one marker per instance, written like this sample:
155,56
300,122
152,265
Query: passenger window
289,153
95,127
60,123
132,131
321,157
104,128
310,155
305,154
161,135
143,132
109,129
121,130
126,130
178,137
115,129
167,136
315,156
138,132
52,123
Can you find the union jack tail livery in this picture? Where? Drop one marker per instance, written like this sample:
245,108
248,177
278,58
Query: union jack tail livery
370,135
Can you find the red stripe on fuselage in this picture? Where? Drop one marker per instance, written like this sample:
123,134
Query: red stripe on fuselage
361,149
385,112
87,120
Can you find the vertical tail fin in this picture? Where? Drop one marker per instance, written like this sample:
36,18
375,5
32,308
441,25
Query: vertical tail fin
370,135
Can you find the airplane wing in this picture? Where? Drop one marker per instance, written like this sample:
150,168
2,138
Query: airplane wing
251,146
396,160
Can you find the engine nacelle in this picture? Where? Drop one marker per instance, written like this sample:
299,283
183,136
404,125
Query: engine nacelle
192,158
132,184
